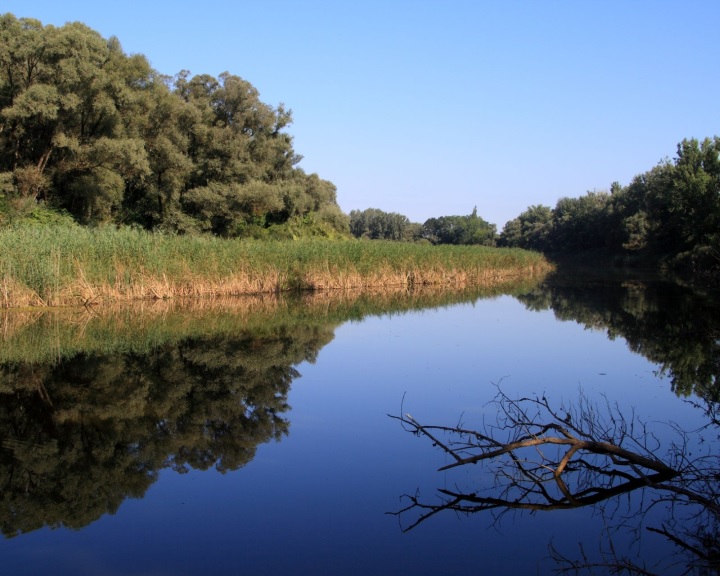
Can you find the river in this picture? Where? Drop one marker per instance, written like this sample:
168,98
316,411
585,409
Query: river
258,439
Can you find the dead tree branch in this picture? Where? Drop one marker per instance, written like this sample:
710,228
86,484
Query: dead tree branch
543,458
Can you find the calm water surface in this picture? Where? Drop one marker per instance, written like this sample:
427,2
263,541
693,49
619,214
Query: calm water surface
164,461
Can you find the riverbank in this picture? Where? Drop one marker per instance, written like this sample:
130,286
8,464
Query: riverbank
699,268
71,266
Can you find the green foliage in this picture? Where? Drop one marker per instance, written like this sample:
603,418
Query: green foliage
469,229
673,211
531,230
580,223
669,214
575,224
374,224
100,134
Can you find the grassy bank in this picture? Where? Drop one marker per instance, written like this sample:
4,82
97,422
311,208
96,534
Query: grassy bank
65,266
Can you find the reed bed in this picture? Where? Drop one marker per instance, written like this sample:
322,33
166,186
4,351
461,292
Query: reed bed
70,266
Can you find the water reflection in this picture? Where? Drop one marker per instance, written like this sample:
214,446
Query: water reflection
545,458
669,324
95,403
83,434
643,478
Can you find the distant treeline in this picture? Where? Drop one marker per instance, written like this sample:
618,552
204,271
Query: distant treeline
374,224
669,215
91,132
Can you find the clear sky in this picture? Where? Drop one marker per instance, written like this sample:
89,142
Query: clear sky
432,107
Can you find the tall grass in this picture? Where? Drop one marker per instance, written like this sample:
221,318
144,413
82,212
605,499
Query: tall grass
61,265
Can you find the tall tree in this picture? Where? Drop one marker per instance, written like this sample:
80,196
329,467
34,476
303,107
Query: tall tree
69,105
375,224
530,230
89,129
469,229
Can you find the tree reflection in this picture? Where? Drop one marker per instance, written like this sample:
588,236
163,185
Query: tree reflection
95,402
667,323
542,458
81,435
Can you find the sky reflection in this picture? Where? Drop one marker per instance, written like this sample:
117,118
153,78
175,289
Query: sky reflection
316,501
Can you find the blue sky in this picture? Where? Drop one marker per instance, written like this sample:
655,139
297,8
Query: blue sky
430,108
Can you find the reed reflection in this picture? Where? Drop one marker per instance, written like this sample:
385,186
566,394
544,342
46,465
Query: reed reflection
95,402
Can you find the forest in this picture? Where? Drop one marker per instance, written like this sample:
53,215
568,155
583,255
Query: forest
669,214
90,135
98,135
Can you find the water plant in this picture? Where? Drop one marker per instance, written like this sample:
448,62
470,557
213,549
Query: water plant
73,265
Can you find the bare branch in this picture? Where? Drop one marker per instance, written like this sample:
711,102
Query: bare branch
544,458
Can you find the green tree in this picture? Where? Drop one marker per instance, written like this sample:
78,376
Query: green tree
167,131
531,230
694,197
469,229
91,130
375,224
69,99
581,223
673,208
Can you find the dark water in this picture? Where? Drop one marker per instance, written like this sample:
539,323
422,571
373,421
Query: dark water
260,443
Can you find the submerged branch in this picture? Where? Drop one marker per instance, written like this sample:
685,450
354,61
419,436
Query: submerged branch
543,458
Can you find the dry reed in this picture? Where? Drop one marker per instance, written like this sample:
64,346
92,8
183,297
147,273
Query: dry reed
62,266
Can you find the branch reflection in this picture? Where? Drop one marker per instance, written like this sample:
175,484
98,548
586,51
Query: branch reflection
545,458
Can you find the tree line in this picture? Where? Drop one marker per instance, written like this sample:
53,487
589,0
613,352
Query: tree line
90,131
670,214
91,134
98,135
374,224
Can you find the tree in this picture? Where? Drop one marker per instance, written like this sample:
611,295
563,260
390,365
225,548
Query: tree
69,101
581,223
668,215
167,131
694,196
531,230
88,129
469,229
374,224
